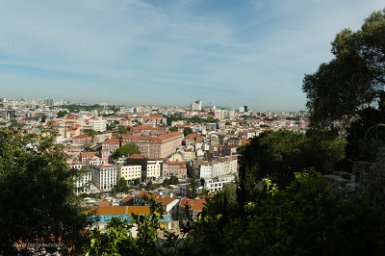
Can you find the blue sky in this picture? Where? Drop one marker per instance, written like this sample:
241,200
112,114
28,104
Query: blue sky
227,52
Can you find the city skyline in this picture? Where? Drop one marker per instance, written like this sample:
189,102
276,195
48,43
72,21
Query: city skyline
230,53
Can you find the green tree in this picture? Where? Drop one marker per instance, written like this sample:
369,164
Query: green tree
173,129
110,127
278,155
118,240
307,218
304,218
43,118
353,80
173,180
192,188
37,191
90,132
187,131
137,181
61,114
126,150
122,130
122,186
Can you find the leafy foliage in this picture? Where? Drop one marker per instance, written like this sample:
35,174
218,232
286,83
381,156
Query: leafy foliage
305,218
118,239
61,114
173,129
173,180
278,155
122,186
37,198
187,131
126,150
353,80
91,132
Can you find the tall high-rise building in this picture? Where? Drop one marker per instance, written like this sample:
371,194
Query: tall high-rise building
196,105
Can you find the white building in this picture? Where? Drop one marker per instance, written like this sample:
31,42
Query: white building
104,176
83,180
217,183
196,105
130,172
154,168
98,124
205,171
218,168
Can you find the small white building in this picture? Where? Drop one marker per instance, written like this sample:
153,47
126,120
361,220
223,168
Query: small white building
98,124
217,183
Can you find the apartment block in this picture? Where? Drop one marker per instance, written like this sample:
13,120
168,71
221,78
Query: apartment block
177,169
130,172
104,177
156,145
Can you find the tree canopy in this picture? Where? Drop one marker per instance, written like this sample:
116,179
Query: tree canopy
37,195
187,131
126,150
278,155
121,186
62,113
353,80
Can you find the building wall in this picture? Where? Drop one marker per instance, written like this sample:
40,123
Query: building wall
155,147
216,184
130,172
153,170
175,169
104,177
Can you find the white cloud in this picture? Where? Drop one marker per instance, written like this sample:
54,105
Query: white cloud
169,48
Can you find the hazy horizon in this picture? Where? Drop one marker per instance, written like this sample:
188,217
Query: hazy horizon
170,53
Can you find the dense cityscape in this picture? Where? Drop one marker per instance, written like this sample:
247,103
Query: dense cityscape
190,128
189,142
177,155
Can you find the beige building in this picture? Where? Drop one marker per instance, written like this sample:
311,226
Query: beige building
154,168
156,145
130,172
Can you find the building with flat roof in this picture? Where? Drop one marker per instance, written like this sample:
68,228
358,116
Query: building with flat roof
104,176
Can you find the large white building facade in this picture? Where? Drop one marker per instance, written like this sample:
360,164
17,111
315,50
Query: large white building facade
104,177
130,172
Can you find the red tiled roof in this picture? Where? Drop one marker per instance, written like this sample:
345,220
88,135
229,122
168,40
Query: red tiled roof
137,156
91,154
193,136
180,164
72,117
156,116
195,204
82,136
146,194
165,200
112,140
104,203
142,127
127,199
